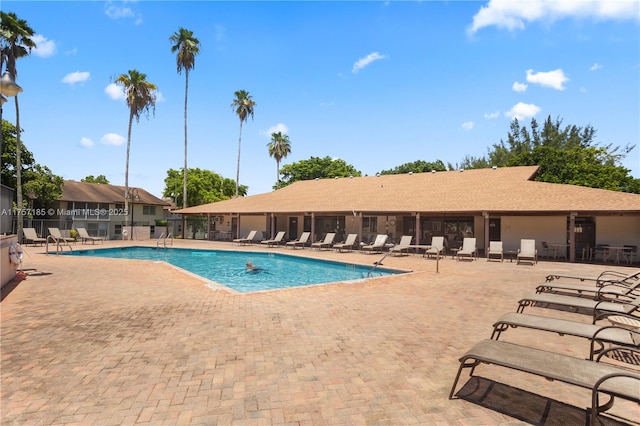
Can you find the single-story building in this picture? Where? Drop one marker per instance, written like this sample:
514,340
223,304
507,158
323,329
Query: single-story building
100,209
496,204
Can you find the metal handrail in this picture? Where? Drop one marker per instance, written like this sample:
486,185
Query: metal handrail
57,241
164,240
378,263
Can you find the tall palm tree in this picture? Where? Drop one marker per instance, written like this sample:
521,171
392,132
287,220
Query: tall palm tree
140,96
187,47
243,105
279,148
15,42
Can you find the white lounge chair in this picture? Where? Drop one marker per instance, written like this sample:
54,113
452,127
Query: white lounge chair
468,249
300,242
326,243
403,246
348,244
527,252
275,241
31,236
378,244
84,236
246,240
437,247
495,251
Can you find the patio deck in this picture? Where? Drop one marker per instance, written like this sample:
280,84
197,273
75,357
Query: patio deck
111,342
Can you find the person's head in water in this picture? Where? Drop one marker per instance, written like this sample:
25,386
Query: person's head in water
250,267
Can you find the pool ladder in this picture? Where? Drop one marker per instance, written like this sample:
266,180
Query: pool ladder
164,240
57,242
376,264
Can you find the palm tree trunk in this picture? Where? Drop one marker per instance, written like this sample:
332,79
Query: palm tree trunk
184,184
277,174
238,167
18,174
126,171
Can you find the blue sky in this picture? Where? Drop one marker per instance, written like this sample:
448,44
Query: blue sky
377,84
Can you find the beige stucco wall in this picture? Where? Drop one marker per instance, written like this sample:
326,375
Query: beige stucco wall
618,231
551,229
251,223
8,269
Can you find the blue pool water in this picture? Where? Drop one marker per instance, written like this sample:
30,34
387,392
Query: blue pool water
229,267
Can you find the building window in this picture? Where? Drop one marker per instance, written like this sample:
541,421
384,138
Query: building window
369,224
149,210
118,230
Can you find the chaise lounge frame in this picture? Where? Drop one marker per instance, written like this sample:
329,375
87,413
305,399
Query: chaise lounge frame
598,335
598,377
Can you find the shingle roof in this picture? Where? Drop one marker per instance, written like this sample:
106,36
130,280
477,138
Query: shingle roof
103,193
510,189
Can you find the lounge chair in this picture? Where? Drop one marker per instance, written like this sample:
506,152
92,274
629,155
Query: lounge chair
436,249
527,252
246,240
596,292
58,238
495,251
326,243
599,335
468,249
275,241
300,242
604,277
378,244
348,244
598,377
403,246
84,236
596,308
31,236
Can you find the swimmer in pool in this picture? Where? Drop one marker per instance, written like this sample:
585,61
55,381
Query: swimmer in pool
252,268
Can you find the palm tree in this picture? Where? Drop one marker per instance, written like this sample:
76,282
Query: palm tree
279,148
187,47
140,96
15,42
243,105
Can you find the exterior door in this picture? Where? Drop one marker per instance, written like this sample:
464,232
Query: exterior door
293,228
494,229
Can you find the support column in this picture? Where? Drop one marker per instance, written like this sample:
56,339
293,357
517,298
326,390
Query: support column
572,237
486,232
418,232
313,227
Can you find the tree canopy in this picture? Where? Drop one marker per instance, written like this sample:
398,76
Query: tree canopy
567,155
316,167
38,182
418,166
203,186
96,179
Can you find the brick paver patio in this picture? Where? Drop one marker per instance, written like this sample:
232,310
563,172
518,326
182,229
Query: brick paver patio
112,342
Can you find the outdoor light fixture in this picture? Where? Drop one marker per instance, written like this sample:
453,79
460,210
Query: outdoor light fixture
8,85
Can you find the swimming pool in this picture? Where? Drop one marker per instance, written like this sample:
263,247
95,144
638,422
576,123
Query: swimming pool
229,267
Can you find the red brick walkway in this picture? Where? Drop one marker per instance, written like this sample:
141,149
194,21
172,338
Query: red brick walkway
112,342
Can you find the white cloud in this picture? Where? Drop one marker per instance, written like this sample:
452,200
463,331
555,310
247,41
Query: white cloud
554,79
522,110
219,32
491,115
280,127
519,87
121,12
114,91
363,62
160,98
72,52
86,142
76,77
327,104
44,48
514,15
113,139
595,67
117,12
468,125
